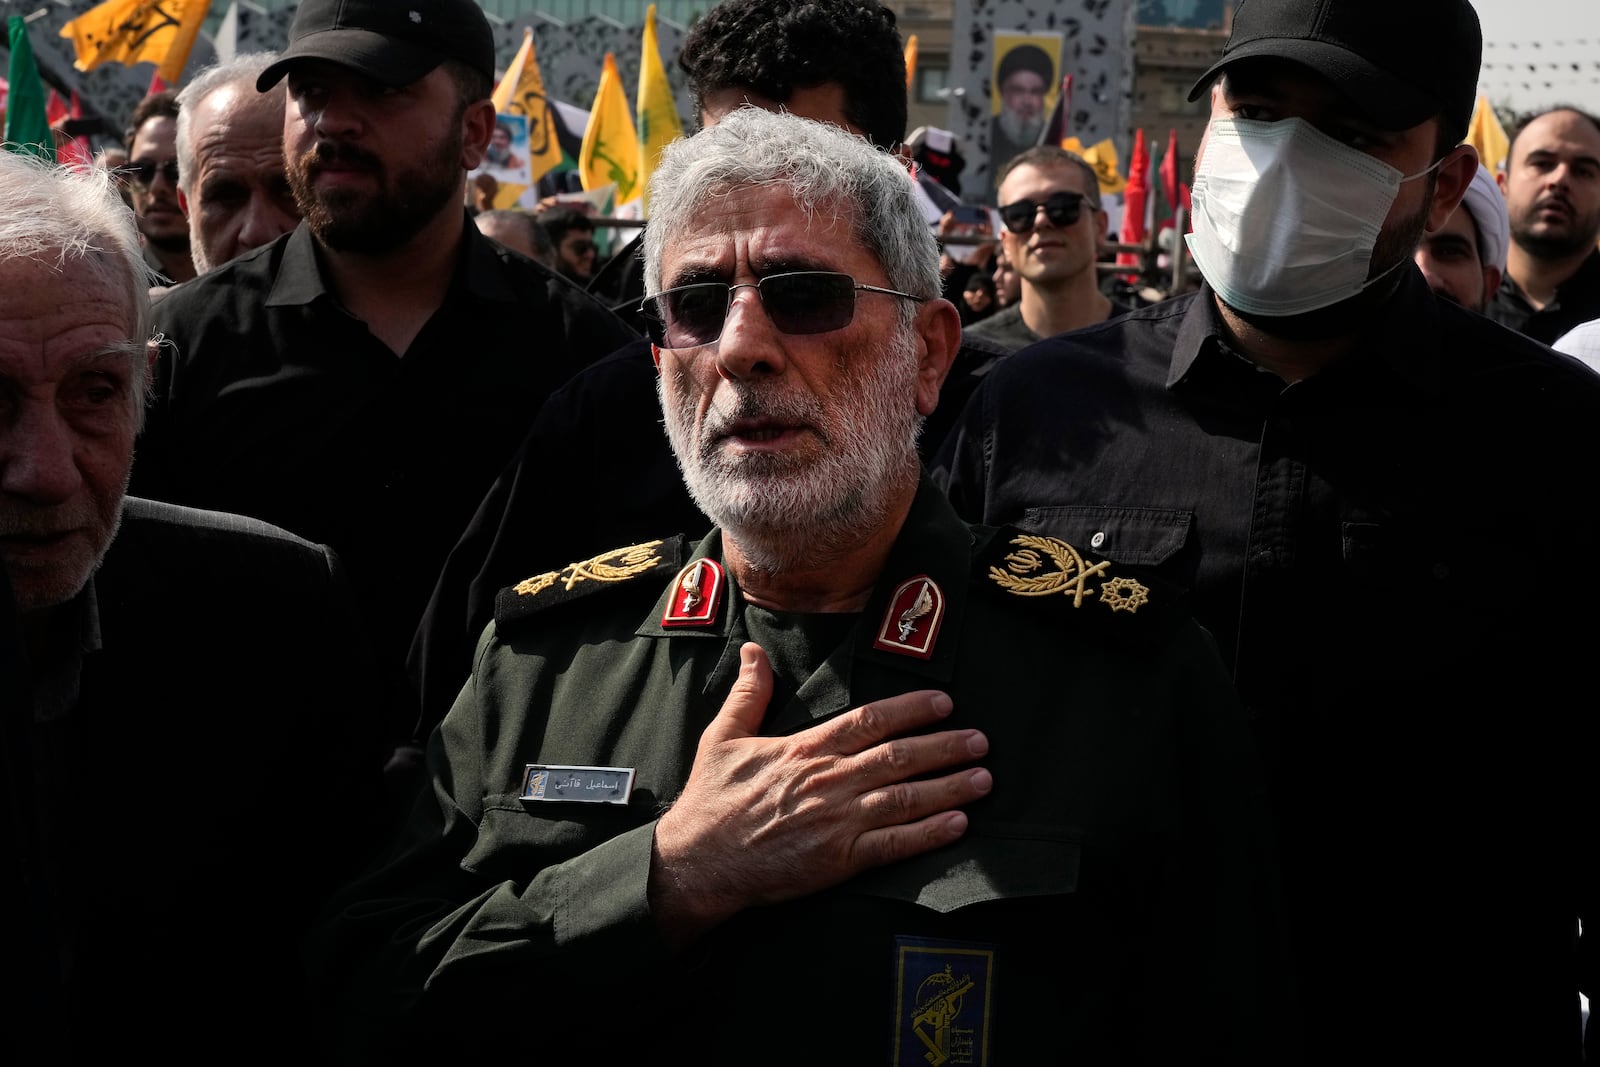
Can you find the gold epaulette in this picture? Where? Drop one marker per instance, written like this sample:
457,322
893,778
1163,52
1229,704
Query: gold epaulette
605,571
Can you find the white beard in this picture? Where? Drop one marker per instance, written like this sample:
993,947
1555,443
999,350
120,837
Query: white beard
1020,131
784,510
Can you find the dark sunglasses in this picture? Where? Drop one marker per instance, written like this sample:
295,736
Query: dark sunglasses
800,302
143,172
1062,209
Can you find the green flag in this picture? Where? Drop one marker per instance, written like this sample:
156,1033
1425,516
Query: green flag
27,129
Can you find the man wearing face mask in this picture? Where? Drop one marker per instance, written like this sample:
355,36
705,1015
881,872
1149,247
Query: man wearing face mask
1374,498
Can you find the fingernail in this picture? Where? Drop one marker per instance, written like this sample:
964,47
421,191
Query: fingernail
978,744
942,704
982,781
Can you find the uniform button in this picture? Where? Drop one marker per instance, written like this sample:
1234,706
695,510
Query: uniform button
1098,539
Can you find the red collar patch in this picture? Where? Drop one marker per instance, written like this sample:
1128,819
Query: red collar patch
911,623
696,595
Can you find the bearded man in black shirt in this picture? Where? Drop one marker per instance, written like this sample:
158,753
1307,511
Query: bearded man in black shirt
362,380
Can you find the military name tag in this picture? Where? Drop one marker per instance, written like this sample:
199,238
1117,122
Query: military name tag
581,785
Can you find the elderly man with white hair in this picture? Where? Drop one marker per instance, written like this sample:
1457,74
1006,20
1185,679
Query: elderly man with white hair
1465,259
232,184
190,753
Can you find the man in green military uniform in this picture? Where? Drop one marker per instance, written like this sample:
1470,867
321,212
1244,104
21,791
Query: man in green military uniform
846,781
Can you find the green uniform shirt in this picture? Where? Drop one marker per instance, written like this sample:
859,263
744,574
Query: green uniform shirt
1112,900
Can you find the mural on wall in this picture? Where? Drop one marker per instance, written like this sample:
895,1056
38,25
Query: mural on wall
1095,50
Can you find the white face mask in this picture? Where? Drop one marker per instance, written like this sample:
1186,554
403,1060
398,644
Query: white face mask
1286,217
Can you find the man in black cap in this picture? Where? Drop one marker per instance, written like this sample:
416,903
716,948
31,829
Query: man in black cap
1357,481
1022,81
362,380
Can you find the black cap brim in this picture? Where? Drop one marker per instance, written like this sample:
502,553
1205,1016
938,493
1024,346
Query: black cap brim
1386,101
383,59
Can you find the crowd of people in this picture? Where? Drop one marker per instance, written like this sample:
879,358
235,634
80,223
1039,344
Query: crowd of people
423,641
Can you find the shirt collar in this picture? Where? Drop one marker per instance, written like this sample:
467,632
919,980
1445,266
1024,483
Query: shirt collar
300,282
933,542
1402,336
58,673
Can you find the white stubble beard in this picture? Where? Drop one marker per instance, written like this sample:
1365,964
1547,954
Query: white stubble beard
785,510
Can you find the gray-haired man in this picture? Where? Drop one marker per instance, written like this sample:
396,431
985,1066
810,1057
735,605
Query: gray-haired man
925,792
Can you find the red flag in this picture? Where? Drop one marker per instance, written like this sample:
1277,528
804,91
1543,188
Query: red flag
1058,127
55,108
1169,170
1133,201
77,150
156,84
1176,192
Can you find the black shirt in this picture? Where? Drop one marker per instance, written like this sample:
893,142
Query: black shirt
1380,551
1577,301
275,402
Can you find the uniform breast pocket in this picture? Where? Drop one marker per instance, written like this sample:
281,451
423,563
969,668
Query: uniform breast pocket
515,835
992,862
1145,537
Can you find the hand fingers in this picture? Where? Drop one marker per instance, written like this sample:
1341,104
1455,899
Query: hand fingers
746,706
913,817
861,728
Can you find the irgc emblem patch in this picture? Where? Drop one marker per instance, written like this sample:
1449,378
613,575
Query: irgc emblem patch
943,1002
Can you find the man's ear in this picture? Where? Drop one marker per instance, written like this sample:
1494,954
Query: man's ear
1455,174
1491,282
655,357
938,324
477,126
183,203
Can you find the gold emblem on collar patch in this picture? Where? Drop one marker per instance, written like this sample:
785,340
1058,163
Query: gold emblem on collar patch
696,595
911,622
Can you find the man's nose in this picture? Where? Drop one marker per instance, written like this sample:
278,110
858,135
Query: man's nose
750,345
37,459
264,221
336,115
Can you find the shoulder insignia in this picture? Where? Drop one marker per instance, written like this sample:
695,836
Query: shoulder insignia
608,569
1047,566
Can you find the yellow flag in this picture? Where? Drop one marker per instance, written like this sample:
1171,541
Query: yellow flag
1486,134
659,124
1102,156
521,92
610,152
911,61
138,31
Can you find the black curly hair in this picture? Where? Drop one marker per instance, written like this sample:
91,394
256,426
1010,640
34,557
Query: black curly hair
773,47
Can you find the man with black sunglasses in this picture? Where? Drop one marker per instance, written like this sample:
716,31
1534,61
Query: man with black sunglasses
951,789
838,61
1052,229
152,175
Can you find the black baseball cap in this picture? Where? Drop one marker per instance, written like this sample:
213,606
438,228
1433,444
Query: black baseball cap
1400,61
391,41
